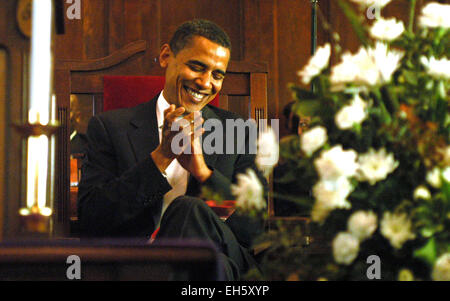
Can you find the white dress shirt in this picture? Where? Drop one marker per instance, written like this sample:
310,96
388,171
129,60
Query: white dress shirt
177,176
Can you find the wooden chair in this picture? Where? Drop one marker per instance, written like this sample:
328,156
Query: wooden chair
244,91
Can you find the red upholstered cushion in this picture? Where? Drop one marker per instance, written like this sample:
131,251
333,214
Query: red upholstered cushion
129,91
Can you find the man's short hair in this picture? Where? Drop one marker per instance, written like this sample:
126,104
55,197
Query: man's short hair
198,27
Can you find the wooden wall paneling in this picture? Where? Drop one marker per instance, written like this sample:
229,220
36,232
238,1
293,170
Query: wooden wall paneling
226,14
261,44
323,19
3,126
294,47
150,24
115,22
3,74
95,29
16,47
70,45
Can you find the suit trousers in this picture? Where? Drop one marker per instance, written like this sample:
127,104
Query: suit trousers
190,218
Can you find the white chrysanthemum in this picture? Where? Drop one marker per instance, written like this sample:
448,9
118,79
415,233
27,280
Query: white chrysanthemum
344,72
375,166
437,68
368,73
366,67
433,177
446,174
248,191
330,195
268,151
441,269
313,139
435,15
387,61
316,64
367,3
345,248
362,224
336,163
396,228
387,29
421,192
351,114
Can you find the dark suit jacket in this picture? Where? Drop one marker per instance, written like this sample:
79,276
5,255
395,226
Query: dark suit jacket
121,189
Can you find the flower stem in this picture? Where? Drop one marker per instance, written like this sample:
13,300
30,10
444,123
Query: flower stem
412,9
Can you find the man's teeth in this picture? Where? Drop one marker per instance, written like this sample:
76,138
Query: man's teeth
196,95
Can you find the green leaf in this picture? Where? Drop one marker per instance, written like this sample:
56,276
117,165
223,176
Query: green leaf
428,252
410,77
300,93
310,107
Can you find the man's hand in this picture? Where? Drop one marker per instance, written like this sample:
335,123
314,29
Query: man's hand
163,155
190,155
193,160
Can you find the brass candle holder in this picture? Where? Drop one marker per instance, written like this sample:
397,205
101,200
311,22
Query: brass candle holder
36,219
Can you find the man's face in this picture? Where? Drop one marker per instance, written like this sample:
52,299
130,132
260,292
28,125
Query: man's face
195,75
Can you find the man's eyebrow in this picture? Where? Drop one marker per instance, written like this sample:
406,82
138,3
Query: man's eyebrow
196,62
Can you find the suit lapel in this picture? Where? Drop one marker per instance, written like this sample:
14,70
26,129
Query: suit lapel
207,113
143,134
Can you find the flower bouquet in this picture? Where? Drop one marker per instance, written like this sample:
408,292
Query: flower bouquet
374,165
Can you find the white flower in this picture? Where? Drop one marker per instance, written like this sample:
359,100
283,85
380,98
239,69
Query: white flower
441,269
268,151
367,3
435,15
330,195
336,163
387,61
397,228
316,64
437,68
313,139
446,174
348,115
387,29
375,166
433,177
362,224
345,248
421,192
366,67
359,68
248,191
344,72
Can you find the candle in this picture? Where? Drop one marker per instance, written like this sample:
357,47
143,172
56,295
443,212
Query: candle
41,60
40,107
37,171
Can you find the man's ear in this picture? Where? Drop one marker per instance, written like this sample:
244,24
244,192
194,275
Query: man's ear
165,55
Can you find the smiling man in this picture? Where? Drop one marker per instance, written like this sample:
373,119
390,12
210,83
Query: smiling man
134,185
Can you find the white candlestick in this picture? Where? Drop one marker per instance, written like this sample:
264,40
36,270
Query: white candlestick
40,96
41,60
